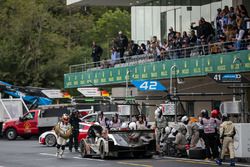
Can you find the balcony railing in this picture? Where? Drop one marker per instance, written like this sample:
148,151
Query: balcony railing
170,54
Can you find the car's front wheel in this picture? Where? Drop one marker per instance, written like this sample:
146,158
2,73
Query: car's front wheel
50,140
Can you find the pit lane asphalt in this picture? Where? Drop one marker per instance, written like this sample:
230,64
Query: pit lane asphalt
28,153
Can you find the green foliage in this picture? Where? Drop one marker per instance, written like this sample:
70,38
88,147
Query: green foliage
108,26
39,39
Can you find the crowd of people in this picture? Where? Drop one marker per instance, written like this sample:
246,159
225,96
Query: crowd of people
215,132
228,32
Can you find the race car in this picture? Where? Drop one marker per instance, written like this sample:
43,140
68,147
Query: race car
115,143
49,138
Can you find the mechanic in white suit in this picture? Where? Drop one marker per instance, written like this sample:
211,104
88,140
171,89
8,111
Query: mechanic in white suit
63,130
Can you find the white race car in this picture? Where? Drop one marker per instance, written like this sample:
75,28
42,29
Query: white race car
49,138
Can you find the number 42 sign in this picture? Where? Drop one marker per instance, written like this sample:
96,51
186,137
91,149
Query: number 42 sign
148,85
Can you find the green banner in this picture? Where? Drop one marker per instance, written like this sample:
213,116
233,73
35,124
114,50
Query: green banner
187,67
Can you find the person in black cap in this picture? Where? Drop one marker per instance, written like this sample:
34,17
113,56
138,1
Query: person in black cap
74,121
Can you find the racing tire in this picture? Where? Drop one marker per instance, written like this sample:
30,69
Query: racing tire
11,134
50,140
83,150
102,151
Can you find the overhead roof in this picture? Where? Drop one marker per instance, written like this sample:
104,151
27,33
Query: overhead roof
139,2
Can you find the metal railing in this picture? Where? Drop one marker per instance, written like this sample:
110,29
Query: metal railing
170,54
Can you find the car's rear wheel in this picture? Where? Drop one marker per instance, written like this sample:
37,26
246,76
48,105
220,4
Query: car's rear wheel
11,134
50,140
102,151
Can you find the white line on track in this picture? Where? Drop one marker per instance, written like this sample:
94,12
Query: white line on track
54,155
196,160
90,159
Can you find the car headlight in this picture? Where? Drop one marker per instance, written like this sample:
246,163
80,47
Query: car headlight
3,125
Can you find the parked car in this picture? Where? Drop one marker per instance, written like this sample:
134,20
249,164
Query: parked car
37,121
49,138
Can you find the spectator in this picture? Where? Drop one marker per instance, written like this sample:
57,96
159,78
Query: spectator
115,57
140,50
242,8
193,38
214,49
133,48
207,31
185,40
244,23
155,48
148,45
122,42
171,34
232,13
198,30
144,48
178,44
96,54
162,54
232,20
172,47
217,22
185,44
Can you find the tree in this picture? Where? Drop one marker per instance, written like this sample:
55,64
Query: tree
39,39
109,24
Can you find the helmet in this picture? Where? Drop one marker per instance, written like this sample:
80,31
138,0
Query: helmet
215,113
184,119
65,118
204,113
132,126
124,125
168,130
158,111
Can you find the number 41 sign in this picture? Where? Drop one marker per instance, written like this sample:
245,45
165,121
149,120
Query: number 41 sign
148,85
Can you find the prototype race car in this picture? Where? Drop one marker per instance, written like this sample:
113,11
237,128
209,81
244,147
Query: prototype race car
49,138
115,143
